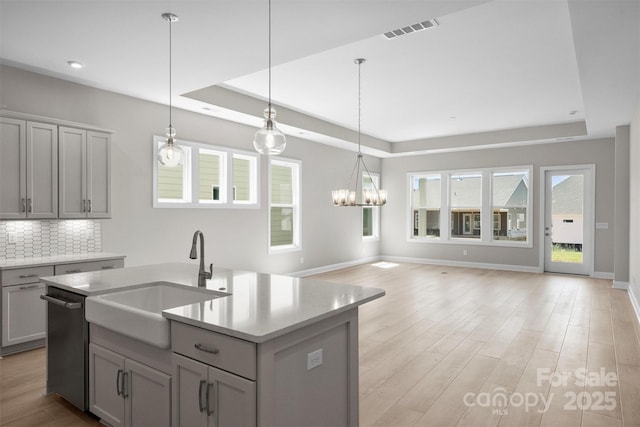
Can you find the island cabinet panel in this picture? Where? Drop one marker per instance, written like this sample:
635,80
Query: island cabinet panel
126,393
209,397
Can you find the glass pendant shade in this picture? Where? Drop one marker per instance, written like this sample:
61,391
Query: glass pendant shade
170,154
269,139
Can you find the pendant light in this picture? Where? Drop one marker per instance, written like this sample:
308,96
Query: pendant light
169,153
353,197
269,140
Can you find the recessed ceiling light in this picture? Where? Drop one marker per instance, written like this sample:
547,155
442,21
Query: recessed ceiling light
75,65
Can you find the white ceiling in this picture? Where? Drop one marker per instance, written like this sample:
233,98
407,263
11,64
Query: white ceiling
489,68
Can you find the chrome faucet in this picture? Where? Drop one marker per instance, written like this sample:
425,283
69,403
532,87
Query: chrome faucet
202,274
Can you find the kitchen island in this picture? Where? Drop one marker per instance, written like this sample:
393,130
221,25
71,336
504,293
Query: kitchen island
262,349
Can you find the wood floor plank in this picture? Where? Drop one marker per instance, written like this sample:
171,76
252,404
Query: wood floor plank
439,333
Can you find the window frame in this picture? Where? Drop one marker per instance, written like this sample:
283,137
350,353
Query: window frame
486,208
296,204
191,177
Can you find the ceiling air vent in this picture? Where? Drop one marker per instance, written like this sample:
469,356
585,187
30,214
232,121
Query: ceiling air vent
411,29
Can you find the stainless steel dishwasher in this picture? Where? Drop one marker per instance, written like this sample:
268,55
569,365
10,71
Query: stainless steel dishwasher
67,347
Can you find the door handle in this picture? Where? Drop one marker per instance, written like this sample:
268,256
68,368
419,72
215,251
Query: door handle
29,207
125,387
210,406
118,382
23,205
201,406
89,209
61,303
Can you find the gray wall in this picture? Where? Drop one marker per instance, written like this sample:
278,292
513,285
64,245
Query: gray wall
234,238
634,213
394,220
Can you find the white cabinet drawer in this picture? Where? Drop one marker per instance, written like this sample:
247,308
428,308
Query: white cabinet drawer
81,267
222,351
20,276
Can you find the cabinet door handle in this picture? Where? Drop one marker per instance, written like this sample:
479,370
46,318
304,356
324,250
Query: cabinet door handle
206,349
108,267
89,209
29,205
201,406
210,394
118,382
84,205
125,384
27,276
73,271
23,203
35,285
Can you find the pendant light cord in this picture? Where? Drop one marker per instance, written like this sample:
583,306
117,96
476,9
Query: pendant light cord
359,103
170,62
269,50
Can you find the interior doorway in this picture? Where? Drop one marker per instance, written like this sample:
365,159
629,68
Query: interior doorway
568,219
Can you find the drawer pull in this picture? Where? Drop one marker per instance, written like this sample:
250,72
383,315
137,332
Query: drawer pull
206,349
35,285
27,276
73,271
108,267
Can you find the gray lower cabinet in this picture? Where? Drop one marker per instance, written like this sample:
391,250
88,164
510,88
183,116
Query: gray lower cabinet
209,397
23,312
124,392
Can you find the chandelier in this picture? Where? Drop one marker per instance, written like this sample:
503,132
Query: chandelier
355,194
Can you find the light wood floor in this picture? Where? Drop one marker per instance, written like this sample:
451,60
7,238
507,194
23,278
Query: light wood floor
444,345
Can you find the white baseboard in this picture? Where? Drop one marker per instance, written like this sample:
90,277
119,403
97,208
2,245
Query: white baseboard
620,285
331,267
603,275
486,266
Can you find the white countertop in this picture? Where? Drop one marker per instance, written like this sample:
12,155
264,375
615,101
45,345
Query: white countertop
7,264
260,306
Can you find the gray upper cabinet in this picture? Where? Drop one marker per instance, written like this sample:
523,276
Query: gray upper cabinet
85,174
28,170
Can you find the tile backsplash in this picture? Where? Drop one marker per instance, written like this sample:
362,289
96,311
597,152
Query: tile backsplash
27,239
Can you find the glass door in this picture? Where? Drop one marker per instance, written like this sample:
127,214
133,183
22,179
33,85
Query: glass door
568,224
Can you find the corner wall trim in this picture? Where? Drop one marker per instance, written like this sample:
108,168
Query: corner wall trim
620,285
634,304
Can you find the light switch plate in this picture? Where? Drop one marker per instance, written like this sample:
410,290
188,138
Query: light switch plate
602,225
314,359
11,238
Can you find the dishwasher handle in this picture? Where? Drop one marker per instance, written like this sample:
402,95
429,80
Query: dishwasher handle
61,303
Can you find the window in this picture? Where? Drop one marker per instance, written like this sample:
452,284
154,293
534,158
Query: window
173,183
510,200
426,197
244,171
496,200
465,205
210,177
370,214
284,204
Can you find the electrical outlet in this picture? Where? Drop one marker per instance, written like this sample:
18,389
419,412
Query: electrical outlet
464,252
11,238
301,260
314,359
